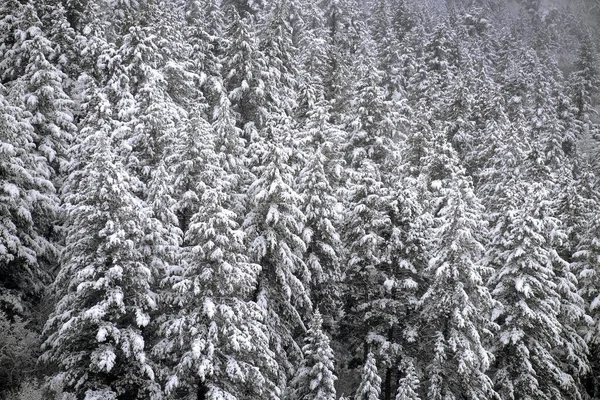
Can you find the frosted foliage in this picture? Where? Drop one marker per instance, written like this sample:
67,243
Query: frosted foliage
104,394
587,264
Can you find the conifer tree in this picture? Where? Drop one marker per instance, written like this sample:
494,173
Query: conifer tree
28,201
94,337
533,340
39,84
273,224
409,384
279,57
454,312
370,384
315,377
316,184
216,337
243,77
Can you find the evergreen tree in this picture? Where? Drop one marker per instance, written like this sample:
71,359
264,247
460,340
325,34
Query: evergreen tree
244,78
317,183
216,338
370,384
533,340
454,312
315,377
408,385
94,337
273,223
39,84
279,57
28,201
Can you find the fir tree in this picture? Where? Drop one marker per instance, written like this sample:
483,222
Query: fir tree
409,384
455,310
315,377
370,384
244,78
273,224
317,183
216,337
39,84
532,340
94,337
28,201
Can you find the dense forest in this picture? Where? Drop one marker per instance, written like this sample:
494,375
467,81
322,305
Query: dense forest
299,199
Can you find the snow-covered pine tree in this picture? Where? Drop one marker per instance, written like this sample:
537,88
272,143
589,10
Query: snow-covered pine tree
409,383
279,56
454,312
533,340
373,223
317,183
205,35
273,223
583,82
156,118
315,378
344,33
585,265
215,337
28,201
243,77
39,85
370,383
94,337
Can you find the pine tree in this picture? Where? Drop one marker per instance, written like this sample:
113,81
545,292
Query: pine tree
216,337
94,337
408,385
273,223
40,85
533,340
455,309
585,265
316,183
28,201
374,223
315,377
370,384
344,33
279,57
244,78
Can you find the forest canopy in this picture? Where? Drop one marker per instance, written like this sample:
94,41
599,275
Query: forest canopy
299,199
